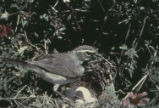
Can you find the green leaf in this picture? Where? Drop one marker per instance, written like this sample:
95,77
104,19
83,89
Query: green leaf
14,6
131,53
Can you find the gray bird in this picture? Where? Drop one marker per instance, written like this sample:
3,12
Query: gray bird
60,69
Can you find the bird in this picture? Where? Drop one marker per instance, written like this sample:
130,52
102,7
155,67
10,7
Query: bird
60,68
85,95
81,95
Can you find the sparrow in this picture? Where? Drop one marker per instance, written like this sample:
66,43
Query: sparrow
60,68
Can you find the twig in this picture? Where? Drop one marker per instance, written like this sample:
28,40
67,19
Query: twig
27,40
20,91
18,20
141,31
99,1
143,26
142,80
128,32
53,7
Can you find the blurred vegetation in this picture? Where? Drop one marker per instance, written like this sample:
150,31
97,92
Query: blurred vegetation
125,31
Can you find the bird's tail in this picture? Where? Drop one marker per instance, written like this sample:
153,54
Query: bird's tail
23,64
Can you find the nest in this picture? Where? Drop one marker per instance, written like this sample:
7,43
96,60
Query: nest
100,72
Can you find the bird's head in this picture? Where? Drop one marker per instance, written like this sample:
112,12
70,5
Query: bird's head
85,52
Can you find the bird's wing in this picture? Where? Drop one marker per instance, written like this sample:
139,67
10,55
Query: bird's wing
65,65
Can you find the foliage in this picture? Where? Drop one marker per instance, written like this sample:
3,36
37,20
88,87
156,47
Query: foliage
125,31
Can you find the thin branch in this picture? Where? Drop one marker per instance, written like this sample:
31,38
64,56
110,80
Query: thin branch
128,32
101,5
141,31
20,91
143,79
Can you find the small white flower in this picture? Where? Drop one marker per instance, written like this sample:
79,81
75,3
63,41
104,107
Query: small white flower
5,15
66,1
